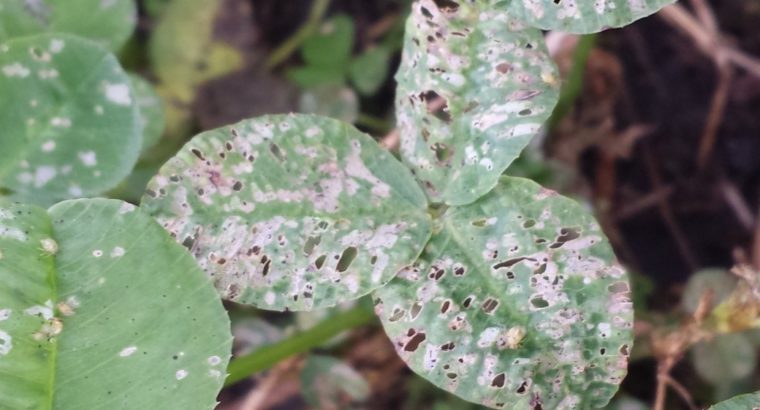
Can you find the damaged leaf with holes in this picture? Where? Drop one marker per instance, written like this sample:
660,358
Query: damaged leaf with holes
517,302
81,288
291,212
474,86
70,122
579,16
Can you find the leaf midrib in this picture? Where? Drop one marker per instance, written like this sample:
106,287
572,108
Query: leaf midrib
53,280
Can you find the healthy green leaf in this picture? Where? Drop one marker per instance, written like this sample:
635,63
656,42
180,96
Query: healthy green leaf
151,109
100,308
70,122
743,402
516,301
331,46
333,101
369,70
109,22
579,16
497,84
311,76
329,383
291,212
724,359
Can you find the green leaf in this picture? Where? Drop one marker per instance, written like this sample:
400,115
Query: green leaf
333,101
744,402
70,122
499,85
151,110
369,71
100,308
329,383
331,46
516,301
311,76
293,212
624,402
579,16
183,50
109,22
724,359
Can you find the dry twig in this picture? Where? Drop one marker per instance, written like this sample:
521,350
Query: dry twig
670,348
705,32
258,396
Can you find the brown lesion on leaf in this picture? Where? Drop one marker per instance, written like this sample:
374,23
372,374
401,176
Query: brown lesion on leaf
436,272
198,153
503,68
346,258
277,153
415,341
320,261
499,380
310,244
511,262
415,311
445,306
397,315
490,305
566,235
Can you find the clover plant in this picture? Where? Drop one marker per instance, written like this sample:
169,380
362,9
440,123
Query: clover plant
490,286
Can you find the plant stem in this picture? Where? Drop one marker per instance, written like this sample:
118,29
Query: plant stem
267,356
289,46
574,84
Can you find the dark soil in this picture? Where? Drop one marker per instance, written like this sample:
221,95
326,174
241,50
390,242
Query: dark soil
668,85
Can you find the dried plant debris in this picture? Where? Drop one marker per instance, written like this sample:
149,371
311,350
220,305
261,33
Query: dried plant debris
516,303
71,123
291,212
80,288
474,87
580,16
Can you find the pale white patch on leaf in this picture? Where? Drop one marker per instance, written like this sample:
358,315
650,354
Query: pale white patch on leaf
44,311
88,158
118,94
128,351
6,343
117,252
181,374
56,45
16,70
60,122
